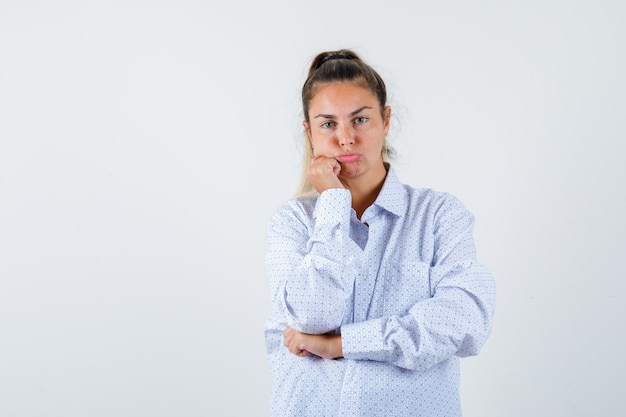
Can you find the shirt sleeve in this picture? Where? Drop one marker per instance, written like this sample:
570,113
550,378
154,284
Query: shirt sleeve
308,263
456,320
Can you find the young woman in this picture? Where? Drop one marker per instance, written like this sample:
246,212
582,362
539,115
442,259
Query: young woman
375,285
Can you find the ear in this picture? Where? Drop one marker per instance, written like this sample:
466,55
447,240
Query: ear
307,130
387,118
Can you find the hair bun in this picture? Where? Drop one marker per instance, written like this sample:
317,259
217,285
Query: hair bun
331,57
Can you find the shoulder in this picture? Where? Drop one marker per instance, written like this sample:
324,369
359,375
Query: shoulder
432,200
418,203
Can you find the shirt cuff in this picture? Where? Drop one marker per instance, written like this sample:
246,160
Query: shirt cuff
334,206
364,340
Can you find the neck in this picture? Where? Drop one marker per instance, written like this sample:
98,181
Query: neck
365,190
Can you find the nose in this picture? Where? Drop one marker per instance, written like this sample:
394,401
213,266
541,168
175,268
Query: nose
346,135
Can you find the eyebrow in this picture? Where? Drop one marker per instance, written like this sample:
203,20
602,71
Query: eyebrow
330,116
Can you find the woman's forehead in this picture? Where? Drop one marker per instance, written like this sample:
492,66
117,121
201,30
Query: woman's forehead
339,94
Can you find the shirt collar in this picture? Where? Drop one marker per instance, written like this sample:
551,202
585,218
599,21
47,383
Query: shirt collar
393,196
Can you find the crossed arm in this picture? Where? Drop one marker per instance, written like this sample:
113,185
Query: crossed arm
327,346
310,279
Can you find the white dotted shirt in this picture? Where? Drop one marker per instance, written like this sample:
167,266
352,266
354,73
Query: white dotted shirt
402,286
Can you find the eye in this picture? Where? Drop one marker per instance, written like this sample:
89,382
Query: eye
360,120
327,125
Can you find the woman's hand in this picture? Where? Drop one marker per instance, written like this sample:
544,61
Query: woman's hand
323,173
326,346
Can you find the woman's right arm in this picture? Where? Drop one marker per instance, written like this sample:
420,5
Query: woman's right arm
309,262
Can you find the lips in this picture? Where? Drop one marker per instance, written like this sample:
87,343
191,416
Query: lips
353,157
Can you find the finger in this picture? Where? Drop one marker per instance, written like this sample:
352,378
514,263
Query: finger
324,160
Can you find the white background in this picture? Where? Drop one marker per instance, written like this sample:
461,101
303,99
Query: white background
144,144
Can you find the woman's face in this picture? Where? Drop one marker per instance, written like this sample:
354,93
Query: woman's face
345,123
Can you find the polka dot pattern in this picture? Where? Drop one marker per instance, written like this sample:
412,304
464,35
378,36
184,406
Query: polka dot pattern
402,286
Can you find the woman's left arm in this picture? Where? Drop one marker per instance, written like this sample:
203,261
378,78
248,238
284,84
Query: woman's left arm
456,320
